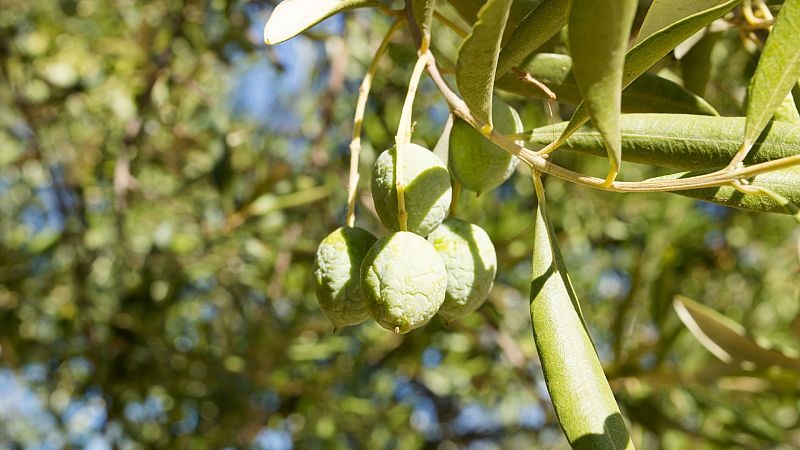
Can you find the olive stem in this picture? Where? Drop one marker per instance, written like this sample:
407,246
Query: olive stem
454,200
358,120
403,137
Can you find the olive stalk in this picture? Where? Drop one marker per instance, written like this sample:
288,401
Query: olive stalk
358,121
403,136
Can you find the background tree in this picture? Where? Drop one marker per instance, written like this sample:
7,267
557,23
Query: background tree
165,180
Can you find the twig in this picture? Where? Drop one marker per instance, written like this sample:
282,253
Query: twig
358,120
403,137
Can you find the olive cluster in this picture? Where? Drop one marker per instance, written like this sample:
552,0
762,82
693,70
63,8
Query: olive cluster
436,264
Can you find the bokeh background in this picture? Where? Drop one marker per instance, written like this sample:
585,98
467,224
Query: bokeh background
165,179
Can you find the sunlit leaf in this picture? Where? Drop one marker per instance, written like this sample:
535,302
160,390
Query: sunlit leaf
292,17
663,13
535,29
598,37
477,59
679,141
581,396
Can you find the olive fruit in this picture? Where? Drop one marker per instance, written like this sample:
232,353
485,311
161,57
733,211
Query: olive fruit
403,280
471,264
475,161
427,190
337,269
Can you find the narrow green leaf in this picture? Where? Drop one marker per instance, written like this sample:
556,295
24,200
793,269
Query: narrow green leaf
292,17
679,141
787,111
648,93
728,340
696,64
598,38
539,26
777,71
646,53
477,59
796,95
663,13
784,182
581,396
468,10
423,15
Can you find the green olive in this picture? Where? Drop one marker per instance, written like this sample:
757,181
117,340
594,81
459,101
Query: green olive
427,190
337,269
475,161
404,281
471,264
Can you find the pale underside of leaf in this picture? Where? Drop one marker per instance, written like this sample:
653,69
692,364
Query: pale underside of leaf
598,36
477,59
777,71
727,340
663,13
646,53
292,17
581,396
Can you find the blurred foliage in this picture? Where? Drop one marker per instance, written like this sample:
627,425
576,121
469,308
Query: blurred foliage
164,181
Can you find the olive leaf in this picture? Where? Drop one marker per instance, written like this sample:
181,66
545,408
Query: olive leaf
423,14
292,17
787,111
477,59
728,340
696,63
679,141
663,13
579,391
442,147
777,71
541,24
649,51
785,183
598,38
796,95
648,93
468,10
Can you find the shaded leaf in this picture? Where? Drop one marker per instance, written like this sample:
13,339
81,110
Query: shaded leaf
535,29
292,17
663,13
598,37
581,396
696,63
648,93
728,340
477,59
646,53
777,71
